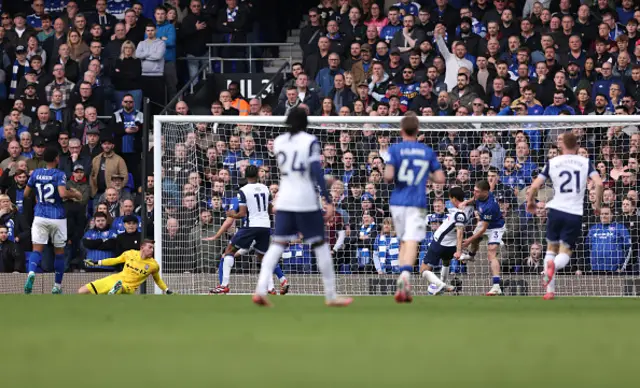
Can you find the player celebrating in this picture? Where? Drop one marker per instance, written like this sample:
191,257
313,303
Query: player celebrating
569,173
447,242
492,226
254,207
50,221
297,207
138,265
408,168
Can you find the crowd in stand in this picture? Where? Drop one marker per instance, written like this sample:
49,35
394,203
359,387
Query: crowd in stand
446,58
433,58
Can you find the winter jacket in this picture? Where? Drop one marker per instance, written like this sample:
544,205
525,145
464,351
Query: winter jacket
324,79
99,245
127,142
167,33
114,164
609,246
12,258
126,73
195,41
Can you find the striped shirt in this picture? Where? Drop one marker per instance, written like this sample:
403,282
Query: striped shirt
45,182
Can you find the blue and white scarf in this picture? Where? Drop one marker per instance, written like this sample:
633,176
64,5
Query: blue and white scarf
386,254
363,254
14,78
231,17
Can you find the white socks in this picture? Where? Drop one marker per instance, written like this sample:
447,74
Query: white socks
561,261
226,269
444,274
271,285
325,265
432,278
269,262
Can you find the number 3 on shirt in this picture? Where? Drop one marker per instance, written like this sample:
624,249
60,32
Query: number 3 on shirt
45,192
406,173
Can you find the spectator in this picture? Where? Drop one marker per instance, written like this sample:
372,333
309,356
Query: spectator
318,60
103,18
454,61
134,30
106,165
291,102
195,32
126,75
311,33
232,24
76,211
325,77
20,33
14,156
60,82
341,95
237,101
126,212
167,33
71,68
45,127
99,241
78,49
52,44
12,258
406,39
609,243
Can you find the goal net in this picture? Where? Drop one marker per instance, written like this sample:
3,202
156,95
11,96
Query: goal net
202,160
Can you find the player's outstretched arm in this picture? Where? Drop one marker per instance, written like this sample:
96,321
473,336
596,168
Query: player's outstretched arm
389,173
437,176
240,214
161,284
532,194
482,228
106,262
459,240
225,226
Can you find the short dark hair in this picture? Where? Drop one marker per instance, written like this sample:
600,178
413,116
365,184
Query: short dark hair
483,185
297,120
457,193
251,171
100,215
410,125
50,154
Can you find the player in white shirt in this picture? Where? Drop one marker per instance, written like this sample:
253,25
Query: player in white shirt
569,173
447,243
298,210
254,208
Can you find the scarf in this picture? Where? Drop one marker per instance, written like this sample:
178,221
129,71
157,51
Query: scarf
363,254
231,17
14,78
387,251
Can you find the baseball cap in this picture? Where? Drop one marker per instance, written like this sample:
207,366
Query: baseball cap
467,20
38,142
21,49
363,84
391,84
78,167
93,131
366,197
394,51
365,47
32,85
117,176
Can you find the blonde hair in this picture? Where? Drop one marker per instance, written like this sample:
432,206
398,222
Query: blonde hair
389,221
125,44
4,197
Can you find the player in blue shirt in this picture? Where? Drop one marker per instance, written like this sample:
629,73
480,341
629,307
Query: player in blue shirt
50,221
491,225
410,166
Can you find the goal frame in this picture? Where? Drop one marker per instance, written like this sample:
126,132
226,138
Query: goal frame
158,121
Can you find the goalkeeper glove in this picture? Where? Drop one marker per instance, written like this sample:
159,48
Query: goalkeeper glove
90,263
168,292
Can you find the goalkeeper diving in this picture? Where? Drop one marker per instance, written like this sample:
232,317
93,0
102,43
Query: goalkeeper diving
138,265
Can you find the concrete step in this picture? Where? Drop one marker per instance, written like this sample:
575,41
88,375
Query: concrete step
295,32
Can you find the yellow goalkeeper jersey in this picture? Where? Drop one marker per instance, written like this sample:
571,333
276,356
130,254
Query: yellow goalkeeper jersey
136,270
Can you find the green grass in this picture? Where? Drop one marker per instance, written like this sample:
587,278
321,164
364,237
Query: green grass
201,341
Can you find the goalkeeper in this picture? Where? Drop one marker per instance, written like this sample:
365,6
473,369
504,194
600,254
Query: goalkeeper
138,265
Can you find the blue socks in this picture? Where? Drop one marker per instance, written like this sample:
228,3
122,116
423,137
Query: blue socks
278,271
220,270
496,280
34,261
408,268
58,265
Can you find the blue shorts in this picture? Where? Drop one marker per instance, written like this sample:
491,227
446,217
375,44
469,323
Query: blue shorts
437,252
563,228
289,224
258,238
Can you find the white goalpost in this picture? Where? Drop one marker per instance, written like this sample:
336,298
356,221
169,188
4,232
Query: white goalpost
199,163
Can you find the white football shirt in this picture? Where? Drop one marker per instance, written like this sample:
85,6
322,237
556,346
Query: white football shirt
446,233
569,174
298,190
255,196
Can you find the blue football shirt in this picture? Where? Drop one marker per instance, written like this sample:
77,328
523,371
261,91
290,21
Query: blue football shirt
490,212
45,183
413,162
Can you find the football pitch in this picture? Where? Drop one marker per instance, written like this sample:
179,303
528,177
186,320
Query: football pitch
226,341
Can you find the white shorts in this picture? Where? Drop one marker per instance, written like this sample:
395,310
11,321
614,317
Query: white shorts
494,236
410,222
45,228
